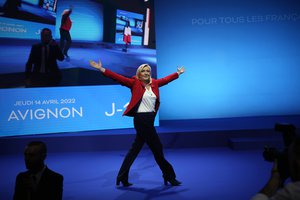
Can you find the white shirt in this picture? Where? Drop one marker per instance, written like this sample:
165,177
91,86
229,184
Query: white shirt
127,31
148,102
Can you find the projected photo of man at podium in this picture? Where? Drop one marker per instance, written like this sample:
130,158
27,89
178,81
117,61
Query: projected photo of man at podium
41,68
143,107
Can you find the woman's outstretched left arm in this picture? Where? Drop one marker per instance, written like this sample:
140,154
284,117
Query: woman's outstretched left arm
171,77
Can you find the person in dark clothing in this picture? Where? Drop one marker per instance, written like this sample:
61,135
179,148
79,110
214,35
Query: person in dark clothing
38,182
41,68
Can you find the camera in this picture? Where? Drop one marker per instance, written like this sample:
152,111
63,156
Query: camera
271,154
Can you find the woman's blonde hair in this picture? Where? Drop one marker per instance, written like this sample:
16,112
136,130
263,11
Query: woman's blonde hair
140,68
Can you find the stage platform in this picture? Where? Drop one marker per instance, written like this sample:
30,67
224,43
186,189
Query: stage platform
210,158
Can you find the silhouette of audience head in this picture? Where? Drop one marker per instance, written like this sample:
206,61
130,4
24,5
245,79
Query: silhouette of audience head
35,154
46,36
38,182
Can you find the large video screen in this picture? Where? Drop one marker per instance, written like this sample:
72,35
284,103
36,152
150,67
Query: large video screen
83,99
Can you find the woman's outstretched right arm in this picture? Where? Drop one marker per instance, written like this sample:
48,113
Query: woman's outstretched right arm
128,82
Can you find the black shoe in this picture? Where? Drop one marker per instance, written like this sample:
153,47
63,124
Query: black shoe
173,182
125,183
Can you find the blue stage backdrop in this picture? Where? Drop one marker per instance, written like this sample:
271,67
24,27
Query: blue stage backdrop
241,57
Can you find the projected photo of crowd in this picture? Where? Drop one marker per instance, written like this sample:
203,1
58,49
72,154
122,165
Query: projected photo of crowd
119,33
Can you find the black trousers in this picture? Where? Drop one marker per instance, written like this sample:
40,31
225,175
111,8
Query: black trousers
146,133
65,41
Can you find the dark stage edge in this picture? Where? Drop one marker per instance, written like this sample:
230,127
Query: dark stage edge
237,133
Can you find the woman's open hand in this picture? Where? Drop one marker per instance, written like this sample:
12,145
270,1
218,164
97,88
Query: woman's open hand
97,65
180,70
